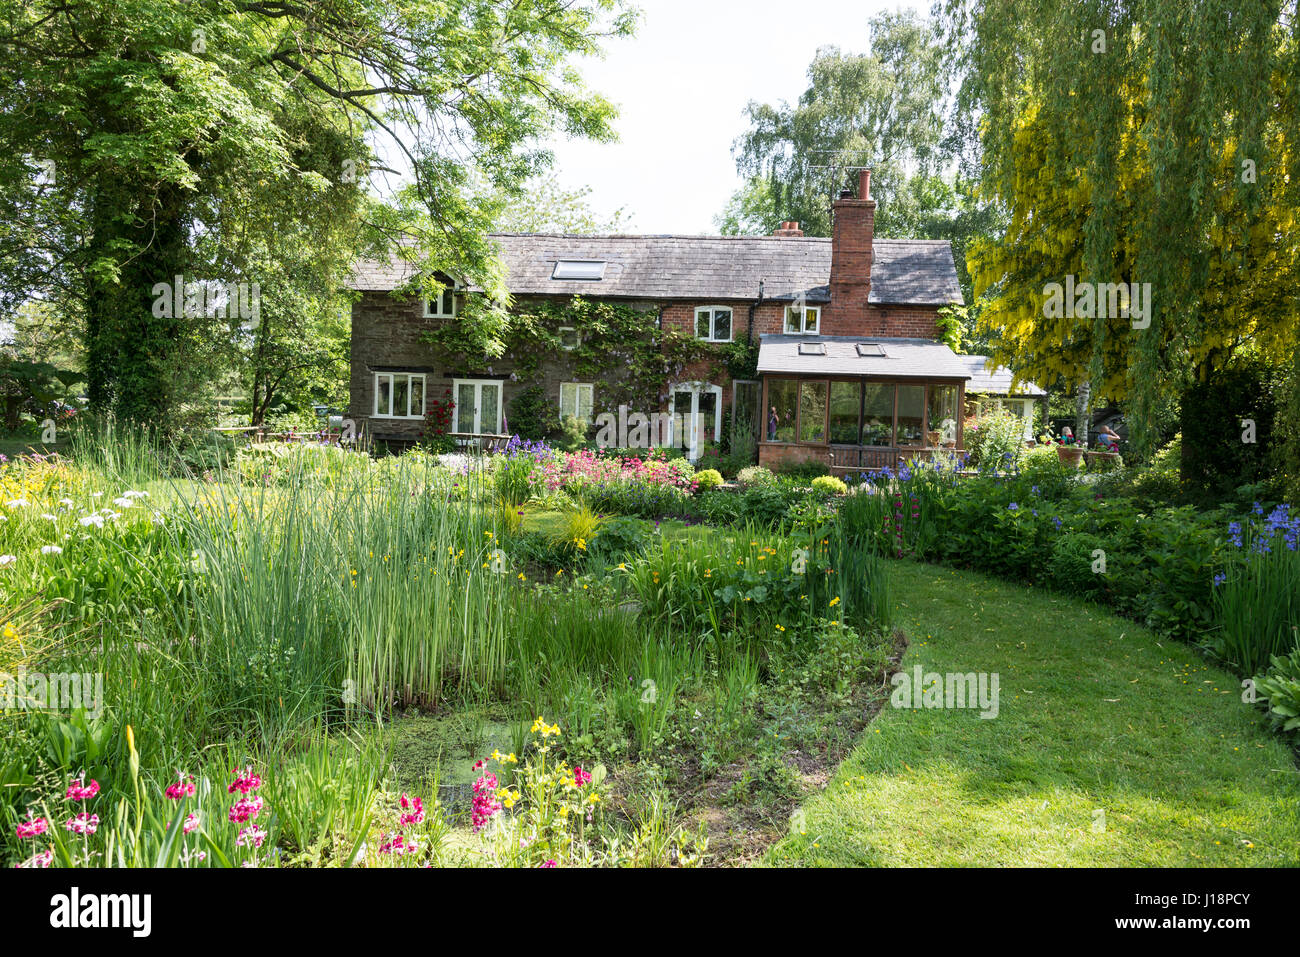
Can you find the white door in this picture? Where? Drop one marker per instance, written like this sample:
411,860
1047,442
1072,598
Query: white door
478,406
700,407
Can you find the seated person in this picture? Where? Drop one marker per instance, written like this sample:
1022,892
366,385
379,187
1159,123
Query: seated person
1067,436
1108,438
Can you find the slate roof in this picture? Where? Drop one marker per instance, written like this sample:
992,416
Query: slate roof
904,358
995,382
903,272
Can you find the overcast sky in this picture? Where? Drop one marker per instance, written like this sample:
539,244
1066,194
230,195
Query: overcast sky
682,84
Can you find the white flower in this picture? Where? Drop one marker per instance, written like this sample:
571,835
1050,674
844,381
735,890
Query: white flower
135,494
123,502
109,513
18,503
51,550
7,560
52,518
96,494
96,520
66,502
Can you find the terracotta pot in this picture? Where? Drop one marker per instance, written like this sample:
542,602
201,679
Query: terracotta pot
1070,454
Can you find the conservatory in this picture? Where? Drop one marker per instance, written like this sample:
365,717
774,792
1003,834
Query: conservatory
857,404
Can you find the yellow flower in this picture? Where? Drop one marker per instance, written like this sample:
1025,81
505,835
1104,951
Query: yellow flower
835,601
11,633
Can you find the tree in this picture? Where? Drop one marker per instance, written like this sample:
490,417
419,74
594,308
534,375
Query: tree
545,206
133,128
1144,142
884,108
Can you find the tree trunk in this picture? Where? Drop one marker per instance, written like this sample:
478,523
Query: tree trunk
1082,402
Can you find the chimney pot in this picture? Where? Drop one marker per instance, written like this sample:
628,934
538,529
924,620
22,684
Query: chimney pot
864,184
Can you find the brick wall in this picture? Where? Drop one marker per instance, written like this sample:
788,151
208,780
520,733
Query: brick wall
774,456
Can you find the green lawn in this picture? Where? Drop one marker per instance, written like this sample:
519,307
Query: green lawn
1096,714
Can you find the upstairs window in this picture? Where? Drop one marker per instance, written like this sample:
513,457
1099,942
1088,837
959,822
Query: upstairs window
802,320
444,306
583,270
713,323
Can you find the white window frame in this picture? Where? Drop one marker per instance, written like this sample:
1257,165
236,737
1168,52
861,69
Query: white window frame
457,425
448,292
578,388
577,337
393,377
712,336
803,320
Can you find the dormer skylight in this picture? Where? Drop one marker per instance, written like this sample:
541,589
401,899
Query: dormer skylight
588,270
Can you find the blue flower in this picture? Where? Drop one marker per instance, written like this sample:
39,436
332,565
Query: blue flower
1013,507
1220,579
1034,490
1056,520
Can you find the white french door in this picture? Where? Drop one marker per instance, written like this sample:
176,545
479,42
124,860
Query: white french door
478,406
700,406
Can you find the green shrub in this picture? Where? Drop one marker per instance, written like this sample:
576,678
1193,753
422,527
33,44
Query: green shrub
996,440
1042,468
829,485
1075,568
516,479
573,434
1279,691
755,475
533,415
708,479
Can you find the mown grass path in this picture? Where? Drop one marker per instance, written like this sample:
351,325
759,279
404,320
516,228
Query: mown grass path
1096,714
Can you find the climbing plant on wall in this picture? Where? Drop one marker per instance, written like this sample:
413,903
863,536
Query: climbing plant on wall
616,346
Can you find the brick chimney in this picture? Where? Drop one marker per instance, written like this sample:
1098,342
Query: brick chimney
788,230
854,222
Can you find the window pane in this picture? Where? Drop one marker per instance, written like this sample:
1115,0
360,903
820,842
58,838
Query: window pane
465,407
586,400
845,397
722,324
792,320
810,317
417,395
878,414
708,423
943,413
702,317
489,404
812,412
384,384
401,391
911,413
783,406
568,404
746,415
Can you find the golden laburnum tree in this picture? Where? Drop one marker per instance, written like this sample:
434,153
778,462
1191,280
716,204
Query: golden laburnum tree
1151,142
